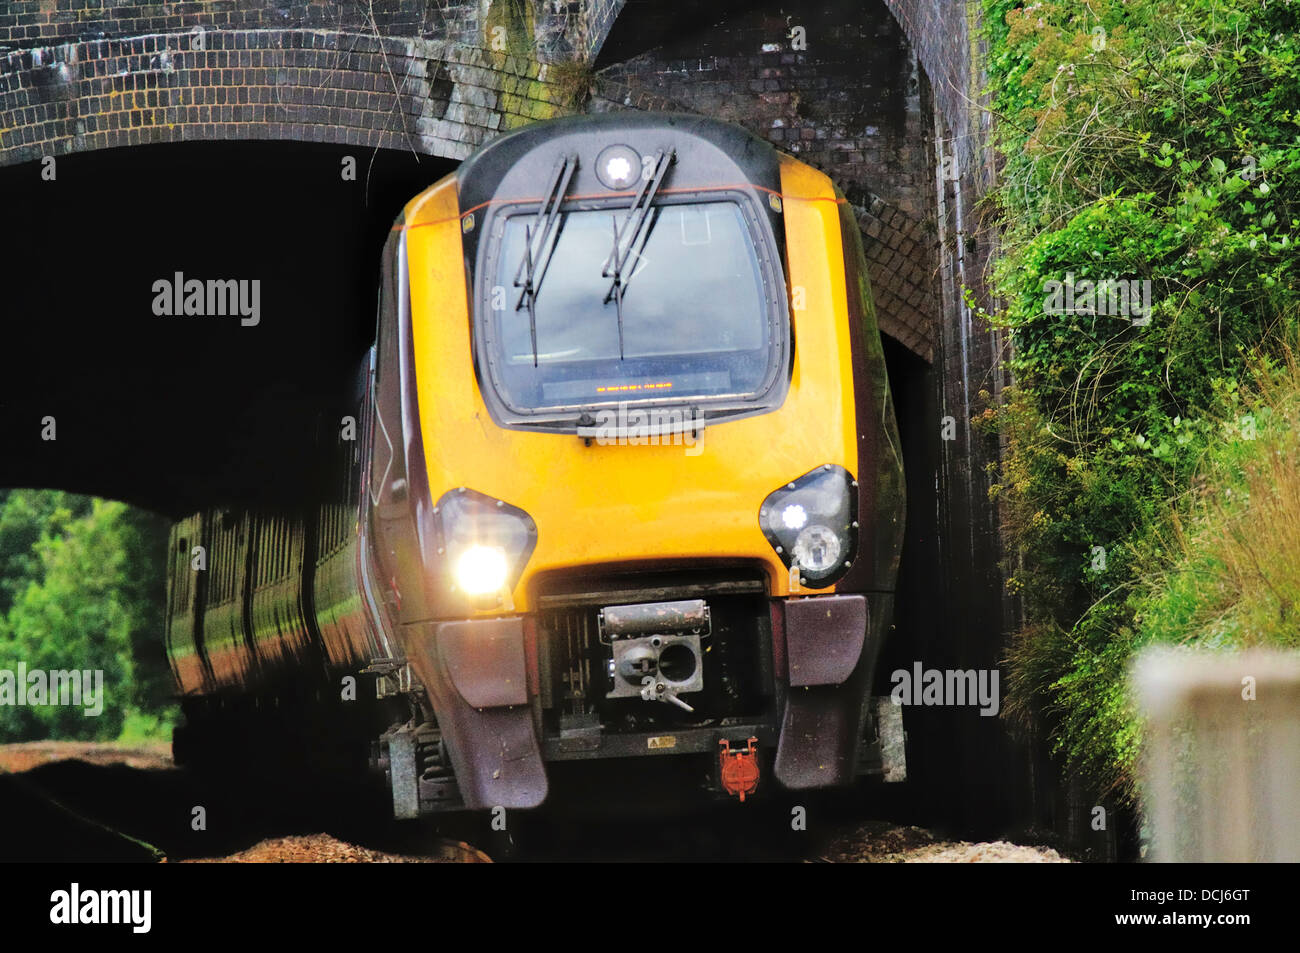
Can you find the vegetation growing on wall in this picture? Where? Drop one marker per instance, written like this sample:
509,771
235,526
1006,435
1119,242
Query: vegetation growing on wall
558,87
1151,153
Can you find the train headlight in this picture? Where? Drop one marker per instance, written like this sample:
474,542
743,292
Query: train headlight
484,542
817,550
812,524
481,570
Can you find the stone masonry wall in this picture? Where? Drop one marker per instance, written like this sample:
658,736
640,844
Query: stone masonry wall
436,78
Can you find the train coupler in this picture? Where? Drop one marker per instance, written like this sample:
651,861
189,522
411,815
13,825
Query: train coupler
739,768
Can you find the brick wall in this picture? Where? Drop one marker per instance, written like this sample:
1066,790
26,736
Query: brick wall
438,79
320,86
944,34
28,23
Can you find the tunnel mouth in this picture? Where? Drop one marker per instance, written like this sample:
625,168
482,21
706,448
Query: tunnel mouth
195,406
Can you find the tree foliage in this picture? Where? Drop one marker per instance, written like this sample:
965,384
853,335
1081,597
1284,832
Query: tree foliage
82,587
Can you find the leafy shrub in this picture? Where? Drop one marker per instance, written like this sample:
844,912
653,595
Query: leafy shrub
1154,141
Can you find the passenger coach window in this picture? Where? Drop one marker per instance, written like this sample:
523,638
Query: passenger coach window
695,317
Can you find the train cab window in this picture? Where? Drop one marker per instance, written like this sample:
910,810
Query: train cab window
697,321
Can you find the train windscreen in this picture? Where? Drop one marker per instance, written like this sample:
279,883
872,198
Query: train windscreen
693,321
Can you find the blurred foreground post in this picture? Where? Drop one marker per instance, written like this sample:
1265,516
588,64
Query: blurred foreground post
1221,754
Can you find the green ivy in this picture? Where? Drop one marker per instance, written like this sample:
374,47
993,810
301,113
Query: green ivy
1154,141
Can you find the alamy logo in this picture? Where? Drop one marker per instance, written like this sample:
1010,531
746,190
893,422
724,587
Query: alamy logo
651,426
1113,297
133,907
946,687
212,298
56,687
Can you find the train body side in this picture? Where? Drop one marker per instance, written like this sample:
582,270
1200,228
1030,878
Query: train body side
270,602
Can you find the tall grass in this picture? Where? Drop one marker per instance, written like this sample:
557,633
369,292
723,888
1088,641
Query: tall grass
1235,581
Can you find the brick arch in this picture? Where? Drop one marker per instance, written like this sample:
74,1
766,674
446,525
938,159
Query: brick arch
83,74
56,57
387,92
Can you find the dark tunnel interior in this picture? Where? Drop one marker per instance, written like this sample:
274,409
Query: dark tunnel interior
172,412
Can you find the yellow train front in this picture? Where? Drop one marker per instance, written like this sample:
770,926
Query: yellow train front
650,498
628,488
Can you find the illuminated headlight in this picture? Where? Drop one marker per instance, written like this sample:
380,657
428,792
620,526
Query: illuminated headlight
618,167
484,542
481,570
812,524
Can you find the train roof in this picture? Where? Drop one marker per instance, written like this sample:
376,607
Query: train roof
709,153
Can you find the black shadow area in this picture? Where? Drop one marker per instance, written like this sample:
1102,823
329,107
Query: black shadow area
172,412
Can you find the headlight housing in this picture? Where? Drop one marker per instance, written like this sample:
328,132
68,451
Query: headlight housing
484,543
812,523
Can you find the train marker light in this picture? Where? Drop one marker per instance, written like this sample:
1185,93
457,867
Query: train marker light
618,167
794,516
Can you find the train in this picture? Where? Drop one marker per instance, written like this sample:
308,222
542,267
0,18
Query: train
617,492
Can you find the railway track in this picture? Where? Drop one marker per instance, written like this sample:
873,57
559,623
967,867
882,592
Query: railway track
79,802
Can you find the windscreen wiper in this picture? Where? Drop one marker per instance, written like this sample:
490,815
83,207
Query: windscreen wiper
636,229
532,267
